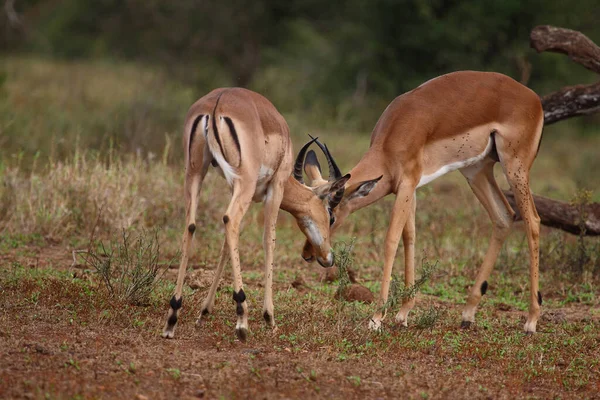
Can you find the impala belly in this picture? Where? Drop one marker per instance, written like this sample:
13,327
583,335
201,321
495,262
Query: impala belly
462,151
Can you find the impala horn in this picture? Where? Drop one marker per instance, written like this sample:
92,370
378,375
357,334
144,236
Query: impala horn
334,174
300,160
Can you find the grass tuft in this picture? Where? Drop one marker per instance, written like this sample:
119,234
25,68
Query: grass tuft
129,267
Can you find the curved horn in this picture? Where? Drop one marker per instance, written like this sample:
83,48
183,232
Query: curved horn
334,174
334,171
300,161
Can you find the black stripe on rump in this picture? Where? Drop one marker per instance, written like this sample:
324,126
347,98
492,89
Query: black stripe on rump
214,124
193,132
235,137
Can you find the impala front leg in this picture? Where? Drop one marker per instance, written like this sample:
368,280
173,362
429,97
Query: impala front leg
209,302
400,214
193,184
408,241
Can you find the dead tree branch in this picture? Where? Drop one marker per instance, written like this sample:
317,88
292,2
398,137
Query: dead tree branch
564,216
571,101
575,44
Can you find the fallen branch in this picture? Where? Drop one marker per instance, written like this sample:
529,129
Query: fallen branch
574,44
563,216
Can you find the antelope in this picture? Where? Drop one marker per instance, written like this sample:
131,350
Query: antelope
242,134
466,121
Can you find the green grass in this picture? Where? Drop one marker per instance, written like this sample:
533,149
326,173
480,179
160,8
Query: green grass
69,175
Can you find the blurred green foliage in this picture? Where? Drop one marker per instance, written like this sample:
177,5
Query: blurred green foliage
333,65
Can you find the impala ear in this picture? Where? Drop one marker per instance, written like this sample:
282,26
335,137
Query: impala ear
312,168
361,189
331,187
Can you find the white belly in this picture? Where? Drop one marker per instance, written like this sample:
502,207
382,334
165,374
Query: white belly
425,179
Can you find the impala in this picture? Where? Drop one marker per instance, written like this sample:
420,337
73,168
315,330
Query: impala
467,121
242,134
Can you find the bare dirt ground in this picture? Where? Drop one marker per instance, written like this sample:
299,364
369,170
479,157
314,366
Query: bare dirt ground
63,337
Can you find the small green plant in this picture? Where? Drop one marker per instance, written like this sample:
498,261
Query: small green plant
581,200
344,257
174,372
72,363
129,267
398,291
355,379
428,318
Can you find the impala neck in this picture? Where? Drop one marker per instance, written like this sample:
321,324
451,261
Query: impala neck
370,166
295,197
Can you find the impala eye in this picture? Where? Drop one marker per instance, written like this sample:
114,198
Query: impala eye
331,216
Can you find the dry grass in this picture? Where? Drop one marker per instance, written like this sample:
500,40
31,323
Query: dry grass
63,335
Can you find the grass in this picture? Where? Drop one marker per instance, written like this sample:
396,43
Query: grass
55,201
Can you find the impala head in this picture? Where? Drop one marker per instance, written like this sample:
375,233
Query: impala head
312,205
336,202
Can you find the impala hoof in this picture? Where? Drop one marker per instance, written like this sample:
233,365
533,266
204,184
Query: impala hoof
530,327
466,324
242,334
375,325
168,334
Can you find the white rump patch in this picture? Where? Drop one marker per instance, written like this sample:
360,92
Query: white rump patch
425,179
228,170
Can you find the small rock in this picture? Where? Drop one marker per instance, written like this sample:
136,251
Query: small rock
141,397
299,284
356,292
201,279
555,316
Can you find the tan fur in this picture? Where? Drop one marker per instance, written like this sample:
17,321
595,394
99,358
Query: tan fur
448,121
260,170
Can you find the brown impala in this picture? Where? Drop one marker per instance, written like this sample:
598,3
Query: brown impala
242,134
467,121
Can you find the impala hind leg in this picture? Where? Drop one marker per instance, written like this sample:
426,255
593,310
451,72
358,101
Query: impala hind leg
486,189
519,185
209,301
193,184
272,203
517,161
240,201
408,241
400,214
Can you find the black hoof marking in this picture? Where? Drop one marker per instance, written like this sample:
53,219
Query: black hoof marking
528,333
205,312
225,219
192,228
539,298
465,324
239,310
175,304
268,318
242,334
172,321
239,298
484,287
